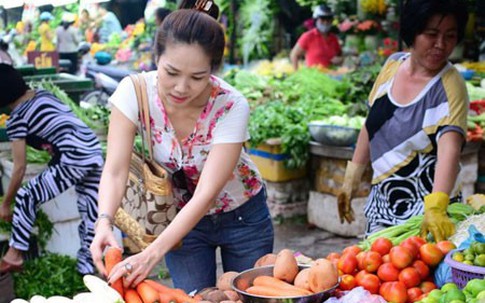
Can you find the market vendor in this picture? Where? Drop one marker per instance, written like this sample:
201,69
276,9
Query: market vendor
319,46
416,126
199,127
46,33
40,120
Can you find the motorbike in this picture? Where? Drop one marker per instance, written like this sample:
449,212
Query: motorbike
105,78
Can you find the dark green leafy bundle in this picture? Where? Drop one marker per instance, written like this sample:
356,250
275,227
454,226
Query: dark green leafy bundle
49,275
277,120
306,83
37,156
355,88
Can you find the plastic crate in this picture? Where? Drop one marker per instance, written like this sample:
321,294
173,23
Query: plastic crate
270,162
461,273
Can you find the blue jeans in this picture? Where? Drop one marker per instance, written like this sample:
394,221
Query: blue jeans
243,235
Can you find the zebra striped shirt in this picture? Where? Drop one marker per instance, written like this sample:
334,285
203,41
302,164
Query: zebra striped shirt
46,123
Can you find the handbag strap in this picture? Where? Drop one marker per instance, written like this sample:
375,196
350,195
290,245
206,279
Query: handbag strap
143,112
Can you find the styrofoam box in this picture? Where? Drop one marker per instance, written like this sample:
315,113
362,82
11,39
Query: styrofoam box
323,213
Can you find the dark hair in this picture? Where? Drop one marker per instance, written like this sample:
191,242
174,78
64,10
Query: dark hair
12,85
192,27
416,14
161,13
66,24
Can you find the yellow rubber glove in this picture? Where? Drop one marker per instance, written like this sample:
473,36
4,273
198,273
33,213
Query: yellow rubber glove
436,220
353,175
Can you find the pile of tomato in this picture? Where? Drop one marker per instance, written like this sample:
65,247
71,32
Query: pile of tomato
399,273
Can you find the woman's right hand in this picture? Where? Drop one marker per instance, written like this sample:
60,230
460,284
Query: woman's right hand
103,237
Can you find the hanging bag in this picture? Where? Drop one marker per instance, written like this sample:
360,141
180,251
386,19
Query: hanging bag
147,206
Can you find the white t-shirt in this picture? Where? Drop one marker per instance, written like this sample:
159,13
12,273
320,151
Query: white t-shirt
223,120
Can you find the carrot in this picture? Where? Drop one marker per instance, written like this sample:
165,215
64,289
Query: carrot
112,257
131,296
158,286
179,295
147,293
166,297
273,282
269,291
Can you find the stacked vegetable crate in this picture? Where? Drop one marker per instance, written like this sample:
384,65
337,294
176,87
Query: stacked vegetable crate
270,161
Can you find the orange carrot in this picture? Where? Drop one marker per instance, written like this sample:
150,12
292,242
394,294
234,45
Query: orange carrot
112,257
273,282
131,296
158,286
166,297
179,295
147,293
269,291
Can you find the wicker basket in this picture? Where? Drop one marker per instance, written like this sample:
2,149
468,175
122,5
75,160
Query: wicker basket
461,273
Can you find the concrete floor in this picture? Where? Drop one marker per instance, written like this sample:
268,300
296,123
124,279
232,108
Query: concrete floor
300,237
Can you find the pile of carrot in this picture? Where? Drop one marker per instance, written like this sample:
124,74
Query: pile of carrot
148,291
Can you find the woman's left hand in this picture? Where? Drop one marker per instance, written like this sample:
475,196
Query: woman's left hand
134,269
5,212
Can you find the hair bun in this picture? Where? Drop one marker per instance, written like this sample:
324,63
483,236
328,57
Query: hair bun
207,6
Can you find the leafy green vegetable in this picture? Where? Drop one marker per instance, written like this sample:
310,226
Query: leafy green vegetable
49,275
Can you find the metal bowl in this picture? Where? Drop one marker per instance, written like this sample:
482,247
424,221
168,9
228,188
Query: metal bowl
245,279
332,134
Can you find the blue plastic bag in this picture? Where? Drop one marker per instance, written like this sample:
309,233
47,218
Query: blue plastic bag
442,273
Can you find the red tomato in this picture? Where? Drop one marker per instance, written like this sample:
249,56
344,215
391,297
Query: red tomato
354,249
394,292
370,282
347,263
417,240
414,293
388,272
410,277
347,282
422,268
431,254
333,255
400,256
359,275
386,258
360,260
427,286
445,246
382,246
413,248
371,261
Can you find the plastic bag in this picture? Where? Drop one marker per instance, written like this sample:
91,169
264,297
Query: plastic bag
442,273
357,295
474,235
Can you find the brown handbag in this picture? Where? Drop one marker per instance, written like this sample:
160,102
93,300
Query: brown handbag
147,206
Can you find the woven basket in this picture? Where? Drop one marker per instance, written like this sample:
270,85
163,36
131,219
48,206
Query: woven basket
461,273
